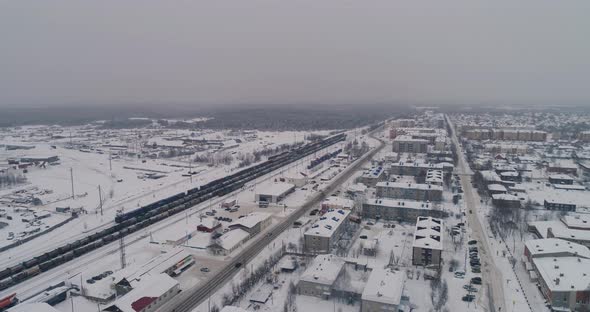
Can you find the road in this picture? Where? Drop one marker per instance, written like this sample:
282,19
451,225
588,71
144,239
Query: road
491,275
189,299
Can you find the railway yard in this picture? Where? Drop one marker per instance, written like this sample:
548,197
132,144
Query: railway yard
148,232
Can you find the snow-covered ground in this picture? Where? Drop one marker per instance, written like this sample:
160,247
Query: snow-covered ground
138,247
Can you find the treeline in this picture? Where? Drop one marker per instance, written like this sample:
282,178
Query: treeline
298,118
256,156
8,179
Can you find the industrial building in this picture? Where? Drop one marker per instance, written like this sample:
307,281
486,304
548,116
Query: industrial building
319,278
229,242
399,210
253,223
273,192
324,232
428,242
383,291
412,191
148,295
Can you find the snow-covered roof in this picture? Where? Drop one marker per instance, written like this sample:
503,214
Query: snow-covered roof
339,201
33,307
408,138
384,286
358,187
490,176
232,238
569,187
404,185
507,197
560,176
497,188
274,189
552,246
397,203
434,176
509,174
577,221
328,223
252,219
560,230
428,233
324,269
417,164
567,274
148,290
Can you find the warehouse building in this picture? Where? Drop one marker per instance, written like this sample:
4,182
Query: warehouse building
318,280
253,223
148,295
399,210
412,191
273,192
428,243
325,232
383,291
229,242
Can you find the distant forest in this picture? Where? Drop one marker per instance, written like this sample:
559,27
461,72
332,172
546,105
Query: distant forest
262,117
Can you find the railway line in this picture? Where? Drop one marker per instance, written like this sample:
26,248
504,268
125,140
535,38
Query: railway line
143,217
189,299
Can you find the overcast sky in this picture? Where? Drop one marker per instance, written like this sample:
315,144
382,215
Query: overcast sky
294,51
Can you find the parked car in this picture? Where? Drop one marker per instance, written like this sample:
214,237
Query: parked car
472,242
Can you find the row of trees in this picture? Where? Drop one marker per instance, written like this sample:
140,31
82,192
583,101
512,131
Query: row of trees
355,149
8,179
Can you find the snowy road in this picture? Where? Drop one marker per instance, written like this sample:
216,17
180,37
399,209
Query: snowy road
490,273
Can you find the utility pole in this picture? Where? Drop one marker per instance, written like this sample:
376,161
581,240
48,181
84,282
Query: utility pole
110,160
190,168
72,300
72,180
122,250
100,199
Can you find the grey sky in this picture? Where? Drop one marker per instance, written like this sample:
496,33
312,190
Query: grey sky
288,51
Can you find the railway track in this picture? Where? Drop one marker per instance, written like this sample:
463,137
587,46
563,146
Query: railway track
143,217
189,299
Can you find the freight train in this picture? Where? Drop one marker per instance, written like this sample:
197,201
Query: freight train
323,158
129,222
